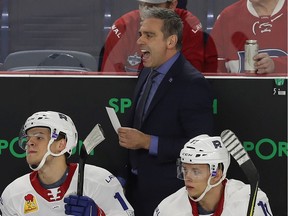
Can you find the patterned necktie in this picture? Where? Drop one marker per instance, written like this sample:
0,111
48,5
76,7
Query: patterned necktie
143,99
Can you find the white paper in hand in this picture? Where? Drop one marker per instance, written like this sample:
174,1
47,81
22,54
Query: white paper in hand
94,138
113,118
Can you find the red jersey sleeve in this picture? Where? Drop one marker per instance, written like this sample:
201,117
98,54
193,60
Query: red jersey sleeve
120,40
111,53
193,38
214,54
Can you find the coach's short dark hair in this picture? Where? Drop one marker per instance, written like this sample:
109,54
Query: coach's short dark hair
173,24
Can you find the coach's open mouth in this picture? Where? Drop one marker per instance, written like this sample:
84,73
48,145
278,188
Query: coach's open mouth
146,54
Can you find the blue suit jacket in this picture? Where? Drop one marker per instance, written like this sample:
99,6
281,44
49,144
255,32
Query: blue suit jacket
180,110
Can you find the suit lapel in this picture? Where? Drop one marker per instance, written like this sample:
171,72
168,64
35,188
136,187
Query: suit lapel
141,81
166,84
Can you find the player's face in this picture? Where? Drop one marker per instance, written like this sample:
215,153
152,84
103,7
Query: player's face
152,43
195,177
37,142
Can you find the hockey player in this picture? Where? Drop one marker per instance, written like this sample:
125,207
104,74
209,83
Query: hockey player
261,20
122,52
203,166
48,138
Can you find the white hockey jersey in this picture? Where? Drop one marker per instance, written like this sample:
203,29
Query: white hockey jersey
25,196
236,198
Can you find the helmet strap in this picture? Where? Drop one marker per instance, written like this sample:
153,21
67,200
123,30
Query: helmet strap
45,156
41,163
208,188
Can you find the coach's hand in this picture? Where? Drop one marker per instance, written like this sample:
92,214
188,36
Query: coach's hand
80,206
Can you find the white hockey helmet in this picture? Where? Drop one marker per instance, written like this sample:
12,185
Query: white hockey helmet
57,122
204,149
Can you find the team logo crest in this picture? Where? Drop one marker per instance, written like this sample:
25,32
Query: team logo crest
30,204
134,59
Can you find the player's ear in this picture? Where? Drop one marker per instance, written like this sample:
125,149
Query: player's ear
172,41
217,176
61,144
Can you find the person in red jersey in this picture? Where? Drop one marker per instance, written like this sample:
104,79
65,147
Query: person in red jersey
121,52
261,20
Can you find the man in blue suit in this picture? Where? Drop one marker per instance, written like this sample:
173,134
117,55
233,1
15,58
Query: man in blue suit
178,108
